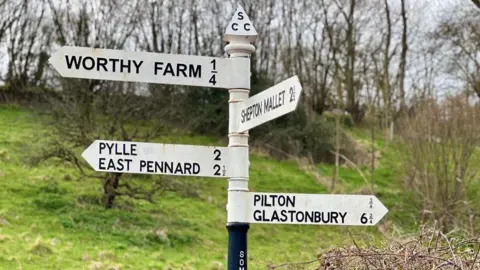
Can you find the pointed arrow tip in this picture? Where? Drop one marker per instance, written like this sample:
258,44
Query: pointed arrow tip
298,90
84,154
383,209
56,61
89,154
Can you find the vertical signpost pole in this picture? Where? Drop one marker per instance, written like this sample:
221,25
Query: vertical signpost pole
239,34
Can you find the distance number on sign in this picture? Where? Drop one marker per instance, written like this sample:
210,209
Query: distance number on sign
217,169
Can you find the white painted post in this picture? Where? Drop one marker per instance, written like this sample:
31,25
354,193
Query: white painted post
239,33
237,139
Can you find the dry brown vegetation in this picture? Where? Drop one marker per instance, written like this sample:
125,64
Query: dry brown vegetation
428,250
440,140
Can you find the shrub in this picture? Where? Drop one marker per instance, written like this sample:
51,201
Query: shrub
296,134
440,140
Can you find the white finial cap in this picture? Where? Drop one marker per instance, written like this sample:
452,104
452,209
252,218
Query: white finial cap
240,27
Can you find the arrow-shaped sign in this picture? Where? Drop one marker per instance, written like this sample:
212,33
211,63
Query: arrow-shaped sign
170,159
272,103
318,209
176,69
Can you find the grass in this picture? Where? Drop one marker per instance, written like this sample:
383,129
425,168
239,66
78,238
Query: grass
52,219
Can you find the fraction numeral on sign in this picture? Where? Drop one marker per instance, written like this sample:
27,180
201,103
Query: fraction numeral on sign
364,219
217,169
292,94
214,71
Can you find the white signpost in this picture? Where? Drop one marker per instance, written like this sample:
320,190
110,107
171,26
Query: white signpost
173,69
168,159
232,73
314,209
269,104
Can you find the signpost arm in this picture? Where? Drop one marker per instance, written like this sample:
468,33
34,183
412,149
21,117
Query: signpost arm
237,186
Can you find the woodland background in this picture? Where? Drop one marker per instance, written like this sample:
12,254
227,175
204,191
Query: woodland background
406,72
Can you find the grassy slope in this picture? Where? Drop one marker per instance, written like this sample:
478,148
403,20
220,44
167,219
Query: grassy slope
51,220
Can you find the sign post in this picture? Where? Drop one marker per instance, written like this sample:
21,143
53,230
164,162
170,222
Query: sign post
232,162
239,33
148,67
167,159
267,105
314,209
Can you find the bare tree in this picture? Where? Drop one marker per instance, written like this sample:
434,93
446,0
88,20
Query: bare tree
10,12
460,40
28,40
85,110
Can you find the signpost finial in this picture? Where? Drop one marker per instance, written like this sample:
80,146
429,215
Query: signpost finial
240,27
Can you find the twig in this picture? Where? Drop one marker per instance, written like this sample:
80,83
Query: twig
355,243
358,170
281,151
314,172
442,265
450,247
389,254
290,264
475,259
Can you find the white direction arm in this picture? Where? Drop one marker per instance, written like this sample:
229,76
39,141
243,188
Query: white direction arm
170,159
318,209
174,69
269,104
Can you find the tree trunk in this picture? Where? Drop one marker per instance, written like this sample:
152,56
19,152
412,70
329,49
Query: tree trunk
337,152
110,186
372,169
350,70
403,59
387,91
